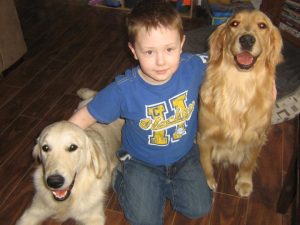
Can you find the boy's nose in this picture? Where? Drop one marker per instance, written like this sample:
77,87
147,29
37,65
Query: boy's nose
160,59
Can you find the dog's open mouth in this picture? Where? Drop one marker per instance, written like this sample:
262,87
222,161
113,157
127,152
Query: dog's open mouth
245,60
61,195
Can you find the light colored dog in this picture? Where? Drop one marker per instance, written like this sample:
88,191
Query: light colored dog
236,97
75,171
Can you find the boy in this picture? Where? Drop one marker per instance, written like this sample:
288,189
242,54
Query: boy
158,100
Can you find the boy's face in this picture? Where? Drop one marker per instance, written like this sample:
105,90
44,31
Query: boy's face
158,51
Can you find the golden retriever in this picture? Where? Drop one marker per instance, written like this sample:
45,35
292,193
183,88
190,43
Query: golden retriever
74,172
236,96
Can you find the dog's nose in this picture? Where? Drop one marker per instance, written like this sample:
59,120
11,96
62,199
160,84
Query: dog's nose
247,41
55,181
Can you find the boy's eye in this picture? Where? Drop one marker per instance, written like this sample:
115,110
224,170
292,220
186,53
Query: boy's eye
170,49
149,52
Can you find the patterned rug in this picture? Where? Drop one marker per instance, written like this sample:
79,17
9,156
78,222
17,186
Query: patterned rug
287,79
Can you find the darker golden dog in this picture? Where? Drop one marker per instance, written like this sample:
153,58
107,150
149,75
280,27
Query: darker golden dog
236,97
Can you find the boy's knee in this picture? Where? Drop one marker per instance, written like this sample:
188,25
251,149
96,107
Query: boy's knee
143,219
198,212
199,209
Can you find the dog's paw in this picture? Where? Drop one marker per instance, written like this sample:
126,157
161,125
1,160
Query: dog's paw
244,188
212,184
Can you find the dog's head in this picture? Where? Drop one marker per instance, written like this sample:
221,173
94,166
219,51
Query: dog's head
65,150
248,37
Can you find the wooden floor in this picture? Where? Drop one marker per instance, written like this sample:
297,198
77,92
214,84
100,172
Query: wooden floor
72,45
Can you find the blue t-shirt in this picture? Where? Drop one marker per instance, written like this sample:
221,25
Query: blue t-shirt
160,120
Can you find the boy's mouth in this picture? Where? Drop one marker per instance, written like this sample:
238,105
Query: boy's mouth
161,71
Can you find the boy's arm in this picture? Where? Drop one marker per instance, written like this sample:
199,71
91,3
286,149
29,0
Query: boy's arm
82,118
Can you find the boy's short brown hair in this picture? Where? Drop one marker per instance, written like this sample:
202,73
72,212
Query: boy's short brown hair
152,14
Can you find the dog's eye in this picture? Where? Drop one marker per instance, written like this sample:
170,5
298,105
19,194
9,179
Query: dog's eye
262,25
234,23
72,148
45,148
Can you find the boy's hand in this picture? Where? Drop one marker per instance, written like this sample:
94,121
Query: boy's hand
82,118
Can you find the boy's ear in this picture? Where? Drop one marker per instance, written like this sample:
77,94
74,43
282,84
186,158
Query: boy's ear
182,42
132,50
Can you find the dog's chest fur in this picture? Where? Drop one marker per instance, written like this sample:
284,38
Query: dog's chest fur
238,112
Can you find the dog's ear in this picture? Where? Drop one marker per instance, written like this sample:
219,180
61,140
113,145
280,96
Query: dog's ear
216,43
274,56
97,159
36,151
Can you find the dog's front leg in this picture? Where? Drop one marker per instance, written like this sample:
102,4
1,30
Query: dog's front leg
206,162
34,215
244,185
93,218
95,221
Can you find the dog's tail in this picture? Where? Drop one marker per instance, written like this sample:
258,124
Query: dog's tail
86,93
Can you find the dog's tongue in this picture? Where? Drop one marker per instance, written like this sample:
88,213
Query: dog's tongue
60,193
244,58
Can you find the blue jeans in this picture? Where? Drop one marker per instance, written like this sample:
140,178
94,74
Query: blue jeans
143,189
